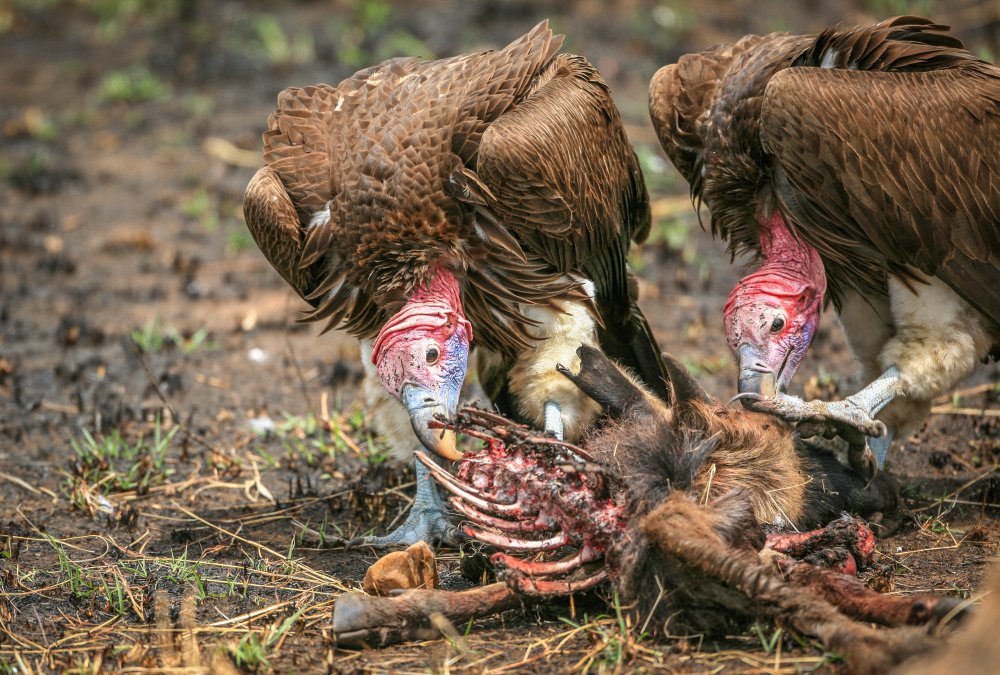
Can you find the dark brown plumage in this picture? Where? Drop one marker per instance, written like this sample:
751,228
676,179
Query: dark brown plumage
878,148
879,145
511,168
424,205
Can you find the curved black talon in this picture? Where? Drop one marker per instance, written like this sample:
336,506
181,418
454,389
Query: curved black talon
862,459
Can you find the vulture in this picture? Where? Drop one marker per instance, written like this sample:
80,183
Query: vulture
862,166
423,205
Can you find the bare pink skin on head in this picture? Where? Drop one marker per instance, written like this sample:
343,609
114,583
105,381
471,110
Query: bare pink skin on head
427,341
771,315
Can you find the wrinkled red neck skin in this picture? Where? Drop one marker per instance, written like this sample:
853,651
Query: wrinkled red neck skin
435,309
791,270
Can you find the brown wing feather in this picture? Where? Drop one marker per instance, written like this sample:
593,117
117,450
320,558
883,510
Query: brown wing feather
899,44
565,179
511,167
366,166
878,143
902,166
561,176
680,94
705,111
274,224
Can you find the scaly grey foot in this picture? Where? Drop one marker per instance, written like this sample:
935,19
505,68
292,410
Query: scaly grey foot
427,519
856,412
852,418
553,419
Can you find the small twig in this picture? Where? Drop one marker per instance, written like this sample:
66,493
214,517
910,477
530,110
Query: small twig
952,497
969,412
166,402
652,610
326,422
249,616
295,364
774,501
708,485
20,483
50,406
969,391
41,625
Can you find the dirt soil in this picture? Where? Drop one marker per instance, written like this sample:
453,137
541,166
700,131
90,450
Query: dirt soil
168,498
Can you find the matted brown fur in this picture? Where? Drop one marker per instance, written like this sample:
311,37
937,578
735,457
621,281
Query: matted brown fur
753,451
726,473
745,449
717,579
700,446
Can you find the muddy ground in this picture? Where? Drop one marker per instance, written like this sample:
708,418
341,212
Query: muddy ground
145,346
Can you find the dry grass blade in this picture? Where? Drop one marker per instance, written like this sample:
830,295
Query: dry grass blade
308,572
970,412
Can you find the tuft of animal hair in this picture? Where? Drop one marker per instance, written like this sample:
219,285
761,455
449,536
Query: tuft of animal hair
694,444
697,445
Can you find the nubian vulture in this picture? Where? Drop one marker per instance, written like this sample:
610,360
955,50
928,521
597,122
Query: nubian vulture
863,166
422,204
671,504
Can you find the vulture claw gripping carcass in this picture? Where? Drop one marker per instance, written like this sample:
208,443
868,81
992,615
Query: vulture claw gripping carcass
853,419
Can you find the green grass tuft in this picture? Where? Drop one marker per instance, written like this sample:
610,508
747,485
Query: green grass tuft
132,85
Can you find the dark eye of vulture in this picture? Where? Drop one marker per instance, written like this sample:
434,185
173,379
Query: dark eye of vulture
432,355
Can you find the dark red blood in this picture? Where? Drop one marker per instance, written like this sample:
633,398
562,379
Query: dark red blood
846,532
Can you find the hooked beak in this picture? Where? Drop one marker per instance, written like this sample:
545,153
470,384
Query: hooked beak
423,404
756,377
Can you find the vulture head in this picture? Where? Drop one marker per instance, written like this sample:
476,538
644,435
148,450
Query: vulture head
772,314
421,355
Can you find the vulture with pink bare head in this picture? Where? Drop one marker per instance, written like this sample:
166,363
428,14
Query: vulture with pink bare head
863,166
488,199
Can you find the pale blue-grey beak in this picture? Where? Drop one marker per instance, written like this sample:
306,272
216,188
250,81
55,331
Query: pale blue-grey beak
423,405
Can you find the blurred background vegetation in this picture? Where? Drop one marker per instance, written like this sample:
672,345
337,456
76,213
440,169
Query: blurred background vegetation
123,65
132,300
